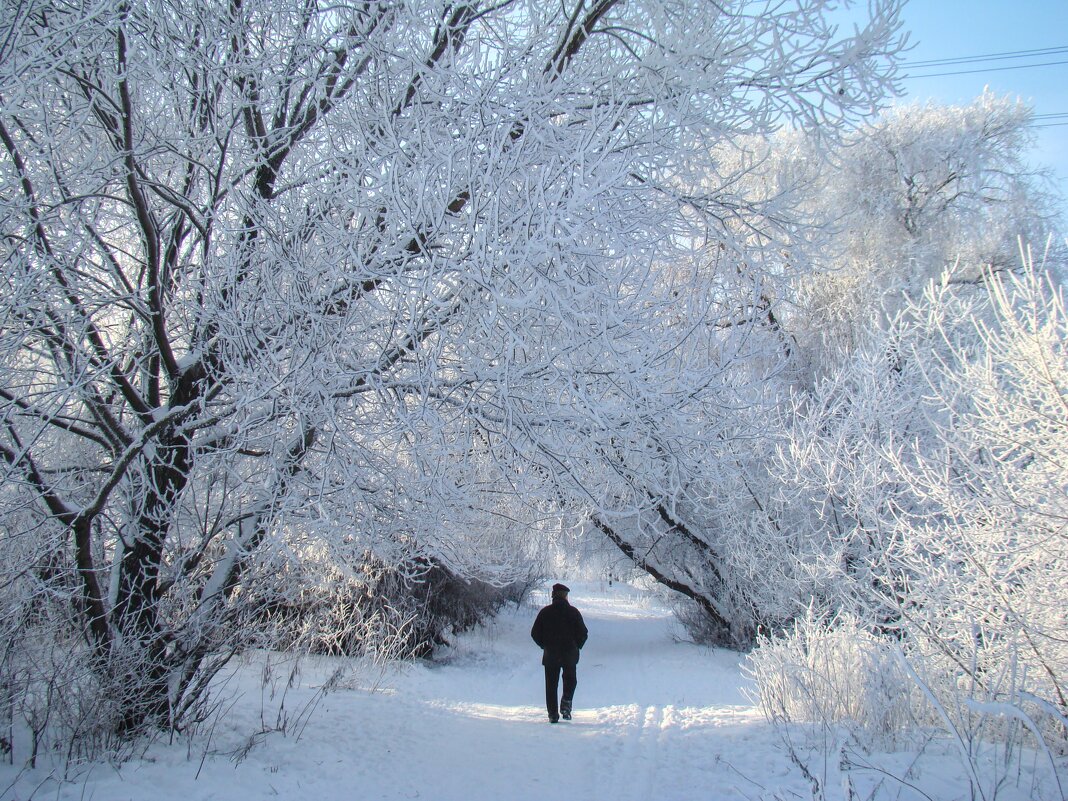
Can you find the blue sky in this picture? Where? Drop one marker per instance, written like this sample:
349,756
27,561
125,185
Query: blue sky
942,29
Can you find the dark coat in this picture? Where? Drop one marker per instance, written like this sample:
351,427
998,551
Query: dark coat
560,632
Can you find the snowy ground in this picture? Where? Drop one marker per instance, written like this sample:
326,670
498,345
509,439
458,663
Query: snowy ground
655,718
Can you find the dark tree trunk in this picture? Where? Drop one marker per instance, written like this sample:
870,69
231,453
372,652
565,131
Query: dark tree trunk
707,605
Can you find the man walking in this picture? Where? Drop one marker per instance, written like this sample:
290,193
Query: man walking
560,632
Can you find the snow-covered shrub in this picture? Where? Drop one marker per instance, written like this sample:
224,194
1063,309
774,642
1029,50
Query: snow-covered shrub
377,610
440,603
833,670
990,554
935,462
53,700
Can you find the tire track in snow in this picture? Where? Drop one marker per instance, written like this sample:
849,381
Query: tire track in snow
632,764
649,750
621,726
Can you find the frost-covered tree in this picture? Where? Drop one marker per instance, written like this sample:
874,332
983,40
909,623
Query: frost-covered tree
871,220
928,472
992,544
923,189
287,278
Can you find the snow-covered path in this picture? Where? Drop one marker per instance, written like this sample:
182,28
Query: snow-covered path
655,719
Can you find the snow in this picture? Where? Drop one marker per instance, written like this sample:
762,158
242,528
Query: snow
656,718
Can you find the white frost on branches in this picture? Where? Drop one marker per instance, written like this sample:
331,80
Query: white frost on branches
375,280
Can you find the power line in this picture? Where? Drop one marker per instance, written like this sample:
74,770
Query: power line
1055,119
947,62
1038,121
986,69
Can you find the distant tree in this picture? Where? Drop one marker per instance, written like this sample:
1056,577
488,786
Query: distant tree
923,189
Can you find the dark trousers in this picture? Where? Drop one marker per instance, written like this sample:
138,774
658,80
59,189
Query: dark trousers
552,683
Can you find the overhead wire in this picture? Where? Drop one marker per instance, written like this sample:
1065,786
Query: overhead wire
1032,53
987,69
1049,120
1053,120
946,62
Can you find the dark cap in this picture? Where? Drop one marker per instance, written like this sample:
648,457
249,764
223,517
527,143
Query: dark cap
560,589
